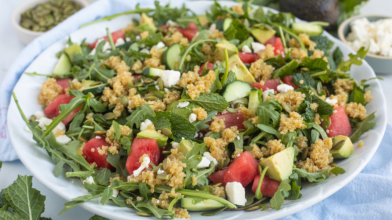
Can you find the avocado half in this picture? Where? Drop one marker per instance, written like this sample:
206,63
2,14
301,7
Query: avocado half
313,10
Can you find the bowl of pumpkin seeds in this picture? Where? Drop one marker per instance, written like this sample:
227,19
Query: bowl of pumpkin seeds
35,17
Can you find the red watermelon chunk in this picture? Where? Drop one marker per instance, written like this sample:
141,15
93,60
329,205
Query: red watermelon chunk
340,124
278,46
248,57
233,119
271,41
53,109
268,84
115,35
217,177
209,66
139,147
90,152
63,83
268,187
243,170
288,80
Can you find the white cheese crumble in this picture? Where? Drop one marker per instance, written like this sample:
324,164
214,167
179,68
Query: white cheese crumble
283,88
39,115
89,180
166,90
160,45
171,23
210,157
331,101
377,35
43,122
75,80
138,37
212,28
246,49
145,50
63,139
144,125
192,117
257,47
127,39
145,164
98,137
267,92
205,162
27,129
115,193
160,171
60,126
175,144
119,42
217,63
236,193
182,104
170,78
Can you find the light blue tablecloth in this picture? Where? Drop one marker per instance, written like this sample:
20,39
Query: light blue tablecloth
368,196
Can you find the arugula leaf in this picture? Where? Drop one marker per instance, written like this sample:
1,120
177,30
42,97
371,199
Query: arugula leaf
118,162
206,195
102,176
180,126
355,59
26,201
285,70
237,30
144,191
357,95
165,13
283,191
295,191
269,113
154,210
320,176
151,40
77,201
202,35
362,127
338,56
210,102
97,217
94,189
97,106
103,74
270,130
138,115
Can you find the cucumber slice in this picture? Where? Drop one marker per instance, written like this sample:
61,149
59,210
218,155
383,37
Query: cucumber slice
171,57
223,24
254,101
309,29
236,90
205,205
95,89
63,66
153,72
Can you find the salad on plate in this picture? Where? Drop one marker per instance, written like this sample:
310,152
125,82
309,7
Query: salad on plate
177,112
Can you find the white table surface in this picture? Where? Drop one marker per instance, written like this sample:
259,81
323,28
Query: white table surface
11,47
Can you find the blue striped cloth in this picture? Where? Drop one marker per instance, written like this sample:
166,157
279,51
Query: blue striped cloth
368,196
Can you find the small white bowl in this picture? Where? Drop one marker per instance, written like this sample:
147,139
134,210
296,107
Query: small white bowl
25,35
380,64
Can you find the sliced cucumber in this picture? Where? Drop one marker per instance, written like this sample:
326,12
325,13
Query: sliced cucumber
63,66
236,90
205,205
171,57
96,89
223,24
254,101
153,72
309,29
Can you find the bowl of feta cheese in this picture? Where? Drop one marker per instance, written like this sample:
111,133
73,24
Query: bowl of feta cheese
373,32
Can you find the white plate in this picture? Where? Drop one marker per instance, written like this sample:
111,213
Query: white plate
41,166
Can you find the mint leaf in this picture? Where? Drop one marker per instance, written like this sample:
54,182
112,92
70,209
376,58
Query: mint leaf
9,216
27,202
201,125
102,176
307,80
315,64
278,199
210,102
161,122
237,30
360,128
180,126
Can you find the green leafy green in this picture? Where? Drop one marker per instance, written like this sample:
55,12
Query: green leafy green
359,128
102,176
180,126
237,30
285,70
268,113
140,114
283,191
320,176
97,217
210,102
355,59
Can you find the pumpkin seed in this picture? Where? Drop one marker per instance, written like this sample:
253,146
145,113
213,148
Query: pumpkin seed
150,98
124,100
143,214
231,110
82,139
164,176
139,84
326,124
102,132
166,131
109,116
253,208
148,80
32,118
160,84
304,154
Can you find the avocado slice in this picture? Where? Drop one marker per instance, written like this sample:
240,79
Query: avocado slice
185,146
262,35
160,138
63,66
220,50
342,147
203,20
254,101
280,165
241,72
205,205
73,50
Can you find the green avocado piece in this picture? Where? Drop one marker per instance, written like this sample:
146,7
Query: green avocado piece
203,20
342,147
262,35
280,165
205,205
63,66
185,146
160,138
241,72
73,50
220,50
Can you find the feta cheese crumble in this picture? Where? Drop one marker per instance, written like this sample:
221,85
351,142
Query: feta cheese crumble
160,171
257,47
39,115
192,117
170,78
63,139
160,45
212,28
43,122
267,92
175,144
144,125
283,88
89,180
377,35
145,50
246,49
236,193
138,37
115,193
119,42
145,164
205,162
331,101
210,157
182,104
